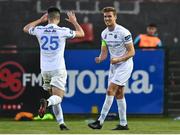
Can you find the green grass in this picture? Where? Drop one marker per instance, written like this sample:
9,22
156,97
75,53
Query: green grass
136,125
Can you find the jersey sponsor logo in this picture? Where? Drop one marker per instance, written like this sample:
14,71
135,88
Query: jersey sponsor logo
49,31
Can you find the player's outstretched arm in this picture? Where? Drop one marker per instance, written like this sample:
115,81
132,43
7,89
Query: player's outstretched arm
103,55
72,19
43,19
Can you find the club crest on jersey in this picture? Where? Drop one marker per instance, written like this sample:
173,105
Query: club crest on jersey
115,36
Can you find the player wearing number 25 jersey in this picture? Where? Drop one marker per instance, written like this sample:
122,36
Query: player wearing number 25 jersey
52,40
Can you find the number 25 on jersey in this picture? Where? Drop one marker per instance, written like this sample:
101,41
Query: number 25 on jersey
50,43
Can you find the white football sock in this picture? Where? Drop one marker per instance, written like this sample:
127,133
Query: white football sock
105,109
58,113
122,111
54,100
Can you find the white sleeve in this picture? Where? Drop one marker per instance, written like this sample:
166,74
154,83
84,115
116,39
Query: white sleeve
34,30
127,37
68,33
102,36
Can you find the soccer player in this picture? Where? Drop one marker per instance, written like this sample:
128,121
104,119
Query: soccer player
52,40
118,41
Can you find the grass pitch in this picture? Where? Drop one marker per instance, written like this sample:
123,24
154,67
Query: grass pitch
140,125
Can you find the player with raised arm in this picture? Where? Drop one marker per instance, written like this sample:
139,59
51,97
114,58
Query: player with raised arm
52,40
118,41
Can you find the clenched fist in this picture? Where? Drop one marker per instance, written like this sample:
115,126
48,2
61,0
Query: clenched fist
98,60
114,60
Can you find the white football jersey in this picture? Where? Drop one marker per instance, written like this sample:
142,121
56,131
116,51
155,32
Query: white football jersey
52,39
116,40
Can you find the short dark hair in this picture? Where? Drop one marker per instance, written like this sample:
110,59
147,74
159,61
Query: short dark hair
53,9
152,25
53,12
109,9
